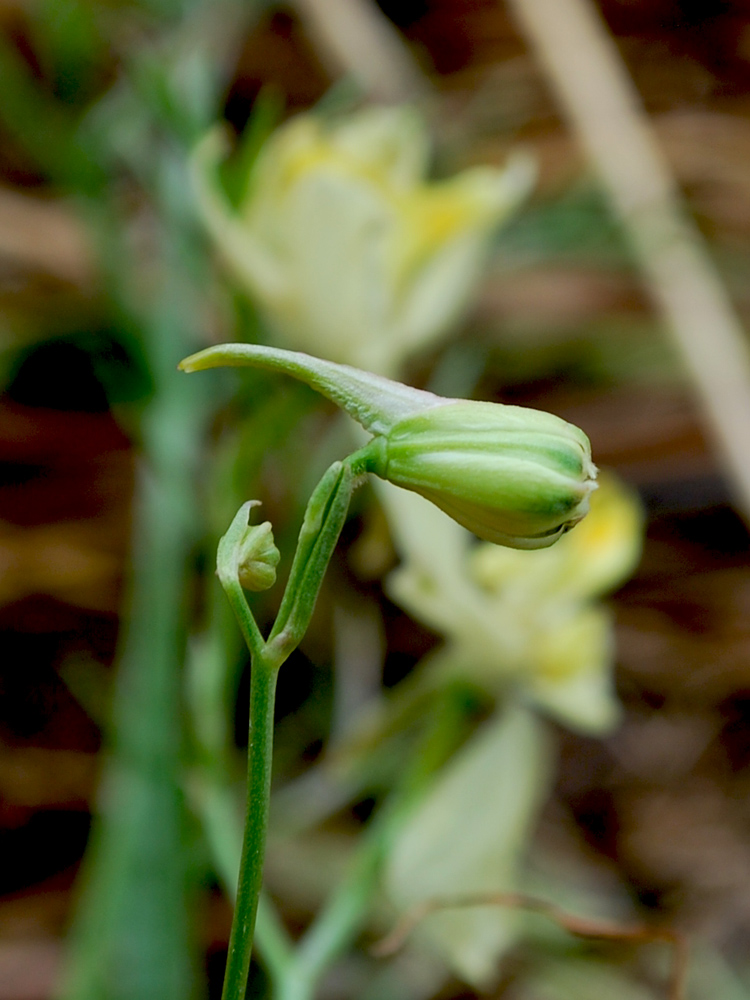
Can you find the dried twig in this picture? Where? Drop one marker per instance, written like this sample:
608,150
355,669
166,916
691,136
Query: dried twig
579,926
603,105
355,38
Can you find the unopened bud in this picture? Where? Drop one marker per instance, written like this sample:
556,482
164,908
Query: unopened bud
513,476
258,557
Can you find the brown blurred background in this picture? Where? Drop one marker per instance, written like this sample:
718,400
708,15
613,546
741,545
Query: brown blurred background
663,804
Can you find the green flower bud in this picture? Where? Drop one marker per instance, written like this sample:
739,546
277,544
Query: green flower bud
514,476
257,557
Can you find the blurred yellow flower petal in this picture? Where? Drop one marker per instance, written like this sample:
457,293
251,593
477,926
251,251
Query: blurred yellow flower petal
351,253
601,553
468,834
607,549
523,619
571,677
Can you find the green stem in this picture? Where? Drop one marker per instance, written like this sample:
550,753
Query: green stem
338,924
260,748
215,801
133,914
323,521
250,631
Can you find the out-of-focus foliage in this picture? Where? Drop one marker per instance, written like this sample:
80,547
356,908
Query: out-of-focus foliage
468,835
111,172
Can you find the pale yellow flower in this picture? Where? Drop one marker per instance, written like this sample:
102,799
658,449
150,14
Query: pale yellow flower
351,253
525,619
589,561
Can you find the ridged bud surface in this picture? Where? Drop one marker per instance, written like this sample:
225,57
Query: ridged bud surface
511,475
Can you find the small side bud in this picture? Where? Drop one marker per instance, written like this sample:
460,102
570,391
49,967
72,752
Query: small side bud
258,557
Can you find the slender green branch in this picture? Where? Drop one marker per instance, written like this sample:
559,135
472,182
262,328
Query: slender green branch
213,793
260,749
228,569
323,521
248,626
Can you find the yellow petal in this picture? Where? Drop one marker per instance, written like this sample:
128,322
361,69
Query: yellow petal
599,554
570,675
350,251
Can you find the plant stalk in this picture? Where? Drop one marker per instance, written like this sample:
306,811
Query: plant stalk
259,755
321,527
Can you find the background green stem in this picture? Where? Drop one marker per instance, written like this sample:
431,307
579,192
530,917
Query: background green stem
135,900
342,918
337,925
